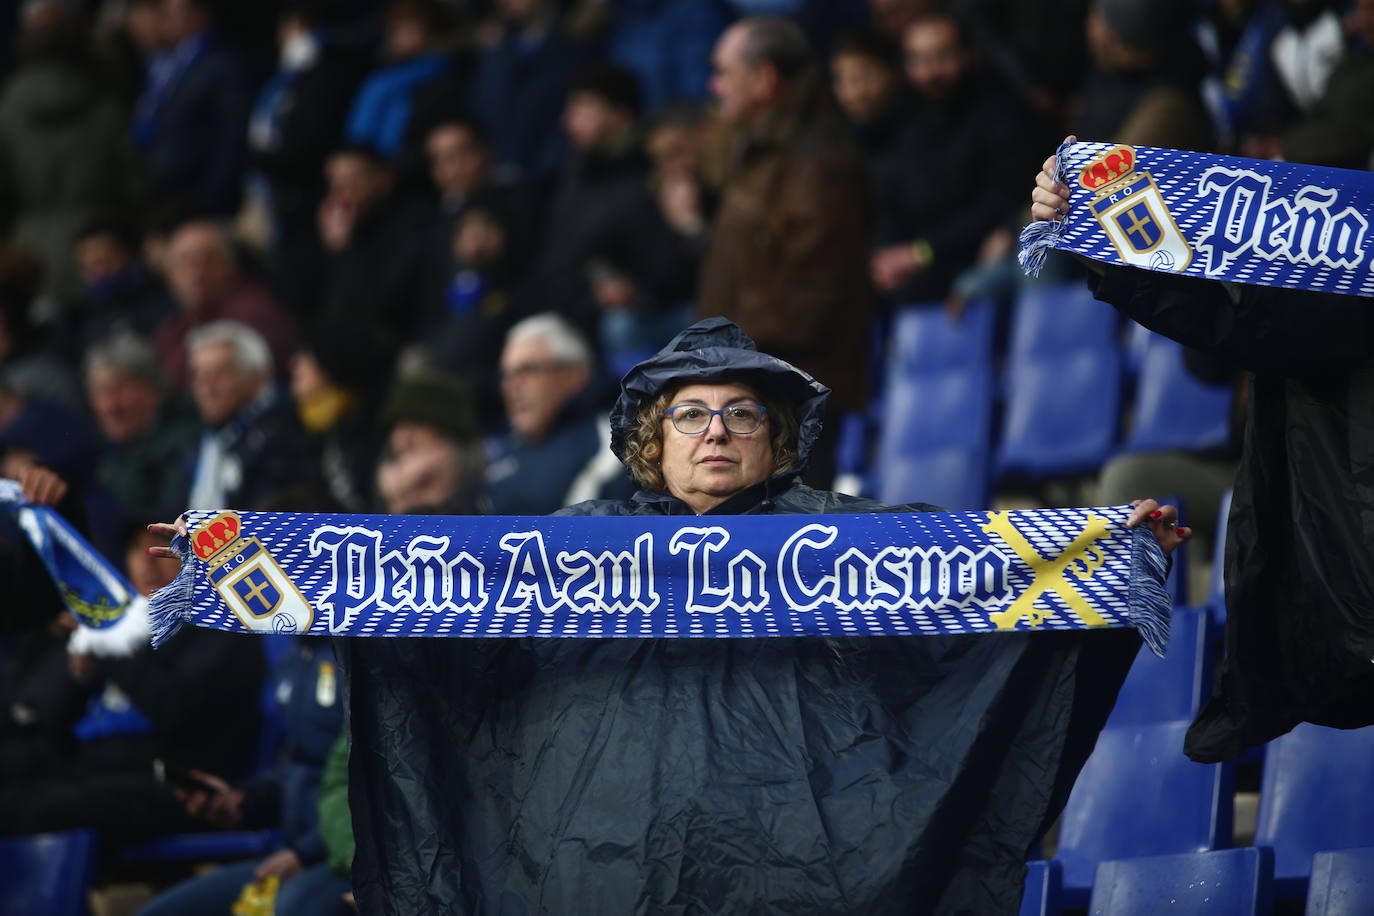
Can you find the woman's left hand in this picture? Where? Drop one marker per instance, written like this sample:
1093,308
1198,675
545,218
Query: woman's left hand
1163,521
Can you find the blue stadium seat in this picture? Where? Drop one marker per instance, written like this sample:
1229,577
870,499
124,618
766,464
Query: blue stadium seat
1173,409
1317,793
1062,383
934,440
210,846
621,362
1139,796
1137,342
1173,687
227,845
924,338
1342,883
852,456
1041,897
1228,882
47,873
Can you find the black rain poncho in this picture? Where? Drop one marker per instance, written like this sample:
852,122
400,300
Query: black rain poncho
790,776
1300,540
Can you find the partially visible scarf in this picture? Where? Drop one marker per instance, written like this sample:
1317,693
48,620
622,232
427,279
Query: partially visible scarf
1220,217
712,576
113,617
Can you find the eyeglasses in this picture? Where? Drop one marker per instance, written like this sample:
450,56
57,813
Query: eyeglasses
694,419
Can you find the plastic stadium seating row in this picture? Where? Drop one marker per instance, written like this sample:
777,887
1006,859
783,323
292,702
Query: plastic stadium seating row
1059,392
47,874
1226,882
1144,829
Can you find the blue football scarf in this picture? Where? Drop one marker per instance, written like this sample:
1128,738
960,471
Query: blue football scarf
112,616
1220,217
710,576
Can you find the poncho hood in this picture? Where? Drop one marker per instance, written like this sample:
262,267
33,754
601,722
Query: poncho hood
713,350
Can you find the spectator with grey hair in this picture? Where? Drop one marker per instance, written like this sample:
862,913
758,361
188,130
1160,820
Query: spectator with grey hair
558,448
144,429
252,445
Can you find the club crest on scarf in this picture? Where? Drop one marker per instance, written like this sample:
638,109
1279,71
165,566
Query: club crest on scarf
1132,212
252,583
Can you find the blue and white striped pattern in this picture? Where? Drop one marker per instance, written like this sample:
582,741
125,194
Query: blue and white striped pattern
1244,220
710,577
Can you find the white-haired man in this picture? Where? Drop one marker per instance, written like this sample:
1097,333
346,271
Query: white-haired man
558,451
251,444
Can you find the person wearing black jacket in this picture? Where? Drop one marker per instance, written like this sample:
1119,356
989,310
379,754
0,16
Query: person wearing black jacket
89,761
190,119
377,261
1299,564
950,178
296,122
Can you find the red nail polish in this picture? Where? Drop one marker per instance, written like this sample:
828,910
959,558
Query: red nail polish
1157,514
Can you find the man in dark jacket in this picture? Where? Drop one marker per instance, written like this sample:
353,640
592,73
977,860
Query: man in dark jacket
296,122
950,177
144,429
519,80
376,257
596,197
884,775
191,118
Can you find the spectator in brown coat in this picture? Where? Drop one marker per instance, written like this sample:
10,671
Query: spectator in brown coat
788,255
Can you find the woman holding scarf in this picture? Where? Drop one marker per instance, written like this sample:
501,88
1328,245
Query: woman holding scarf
815,775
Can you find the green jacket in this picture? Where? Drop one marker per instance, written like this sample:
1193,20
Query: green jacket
336,825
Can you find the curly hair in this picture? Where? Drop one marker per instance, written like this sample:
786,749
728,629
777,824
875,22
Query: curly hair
644,441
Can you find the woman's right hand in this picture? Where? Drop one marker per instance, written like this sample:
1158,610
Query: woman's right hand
168,531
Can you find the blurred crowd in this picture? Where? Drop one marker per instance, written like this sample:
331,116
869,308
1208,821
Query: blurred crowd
391,256
232,229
